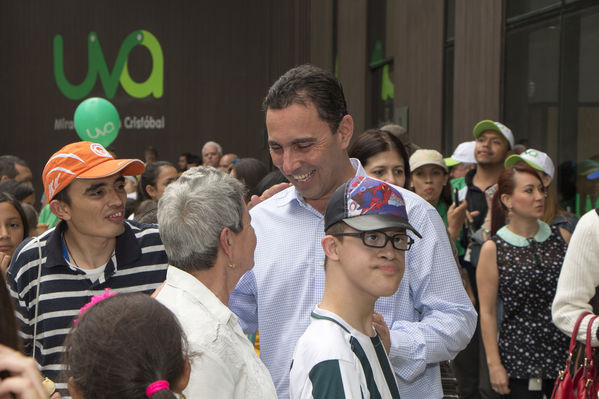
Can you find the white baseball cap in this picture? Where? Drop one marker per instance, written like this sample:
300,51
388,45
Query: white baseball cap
426,157
464,153
535,158
498,127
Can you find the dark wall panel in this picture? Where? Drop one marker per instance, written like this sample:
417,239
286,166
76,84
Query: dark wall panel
478,61
418,68
219,60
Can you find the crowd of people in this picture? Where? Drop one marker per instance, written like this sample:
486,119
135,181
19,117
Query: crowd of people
363,264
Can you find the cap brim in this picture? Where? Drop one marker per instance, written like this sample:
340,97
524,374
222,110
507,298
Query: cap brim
449,162
593,175
483,126
514,159
127,167
379,222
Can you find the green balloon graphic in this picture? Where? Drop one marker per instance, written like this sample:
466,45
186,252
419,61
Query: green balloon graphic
97,120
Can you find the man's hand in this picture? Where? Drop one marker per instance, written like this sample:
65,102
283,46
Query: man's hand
255,200
379,324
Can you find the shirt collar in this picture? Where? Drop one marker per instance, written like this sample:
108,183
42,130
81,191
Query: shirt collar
127,249
518,241
184,281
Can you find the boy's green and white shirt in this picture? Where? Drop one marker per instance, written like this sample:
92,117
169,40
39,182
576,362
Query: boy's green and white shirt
333,360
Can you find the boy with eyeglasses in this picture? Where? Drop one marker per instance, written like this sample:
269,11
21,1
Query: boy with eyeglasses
341,354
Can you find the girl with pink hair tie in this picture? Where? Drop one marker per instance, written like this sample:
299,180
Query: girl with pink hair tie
126,346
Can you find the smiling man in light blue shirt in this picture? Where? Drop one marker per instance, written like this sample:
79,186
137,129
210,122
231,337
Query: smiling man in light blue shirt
430,316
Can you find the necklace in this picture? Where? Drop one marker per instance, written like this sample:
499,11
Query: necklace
69,251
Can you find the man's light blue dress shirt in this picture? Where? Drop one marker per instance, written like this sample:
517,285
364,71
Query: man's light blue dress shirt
430,316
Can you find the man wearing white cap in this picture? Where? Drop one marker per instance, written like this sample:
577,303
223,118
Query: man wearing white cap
493,142
462,160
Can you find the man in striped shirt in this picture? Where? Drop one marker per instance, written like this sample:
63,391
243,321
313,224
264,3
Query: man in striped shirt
51,277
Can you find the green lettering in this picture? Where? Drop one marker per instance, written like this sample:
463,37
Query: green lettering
154,84
110,80
73,92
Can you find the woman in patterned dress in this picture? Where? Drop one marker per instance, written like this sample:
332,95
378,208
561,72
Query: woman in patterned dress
520,264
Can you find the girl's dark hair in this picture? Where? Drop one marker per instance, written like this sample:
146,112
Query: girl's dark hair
271,179
505,185
20,190
374,141
149,177
249,171
7,197
123,344
8,322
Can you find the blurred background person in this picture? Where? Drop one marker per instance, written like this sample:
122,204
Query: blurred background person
462,160
14,168
22,191
150,155
13,228
383,157
226,162
32,216
429,179
211,153
520,265
249,171
587,186
157,176
404,137
271,179
131,187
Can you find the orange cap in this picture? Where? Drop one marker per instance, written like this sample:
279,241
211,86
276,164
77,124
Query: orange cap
84,160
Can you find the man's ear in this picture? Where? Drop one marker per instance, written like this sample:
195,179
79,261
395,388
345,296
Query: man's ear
60,209
345,131
331,247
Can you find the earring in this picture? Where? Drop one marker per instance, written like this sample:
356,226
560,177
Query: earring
232,265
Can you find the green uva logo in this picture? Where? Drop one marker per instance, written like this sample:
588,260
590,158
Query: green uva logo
110,80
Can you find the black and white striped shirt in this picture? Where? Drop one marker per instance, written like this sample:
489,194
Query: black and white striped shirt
138,265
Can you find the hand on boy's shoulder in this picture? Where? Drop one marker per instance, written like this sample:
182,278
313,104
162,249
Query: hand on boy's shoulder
379,324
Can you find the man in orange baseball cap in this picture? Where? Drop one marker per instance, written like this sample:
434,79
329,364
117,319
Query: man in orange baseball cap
92,248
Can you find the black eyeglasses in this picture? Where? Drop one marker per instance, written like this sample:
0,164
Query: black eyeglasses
378,239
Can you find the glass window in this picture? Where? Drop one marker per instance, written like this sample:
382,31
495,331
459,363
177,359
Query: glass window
580,107
517,8
531,90
380,82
